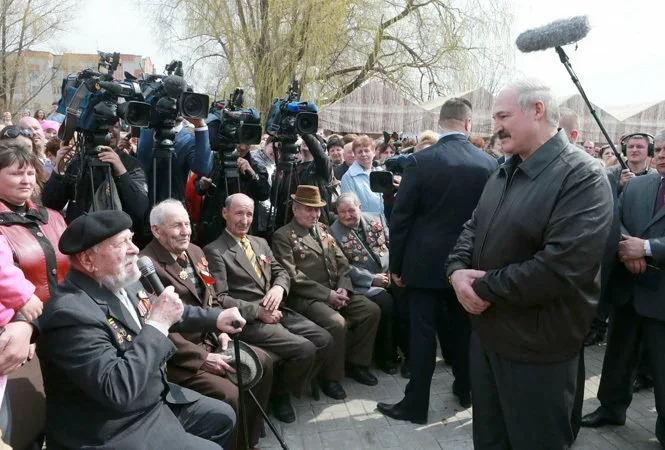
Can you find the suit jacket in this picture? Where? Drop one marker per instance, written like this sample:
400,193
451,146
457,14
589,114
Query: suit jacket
236,280
636,206
192,347
104,377
365,262
315,268
440,188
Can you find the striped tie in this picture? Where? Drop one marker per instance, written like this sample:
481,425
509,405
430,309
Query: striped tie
252,257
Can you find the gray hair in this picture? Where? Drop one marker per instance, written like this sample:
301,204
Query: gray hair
348,197
160,210
659,136
530,91
569,120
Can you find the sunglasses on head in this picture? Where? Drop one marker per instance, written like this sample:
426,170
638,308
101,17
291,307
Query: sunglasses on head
14,132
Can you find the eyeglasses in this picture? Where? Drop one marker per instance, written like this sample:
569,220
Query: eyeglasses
14,132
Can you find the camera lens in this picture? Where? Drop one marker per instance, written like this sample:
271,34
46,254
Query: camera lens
194,105
307,123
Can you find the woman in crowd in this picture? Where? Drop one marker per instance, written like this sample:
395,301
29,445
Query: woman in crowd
40,115
32,233
356,179
605,153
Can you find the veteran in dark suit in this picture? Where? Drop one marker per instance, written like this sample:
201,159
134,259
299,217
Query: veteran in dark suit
103,344
249,277
637,290
322,291
197,363
439,190
363,238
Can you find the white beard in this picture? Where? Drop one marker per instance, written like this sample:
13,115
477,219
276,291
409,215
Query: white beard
123,278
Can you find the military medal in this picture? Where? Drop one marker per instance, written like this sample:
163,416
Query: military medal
129,338
183,274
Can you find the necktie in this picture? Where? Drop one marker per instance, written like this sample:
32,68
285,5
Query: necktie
660,198
252,257
313,233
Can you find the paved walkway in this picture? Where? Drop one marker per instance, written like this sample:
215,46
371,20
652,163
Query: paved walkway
355,424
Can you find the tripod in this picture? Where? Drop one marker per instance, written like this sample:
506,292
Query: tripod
163,149
241,397
90,161
285,175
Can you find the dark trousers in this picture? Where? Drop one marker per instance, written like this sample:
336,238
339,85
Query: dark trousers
427,308
384,347
207,421
520,406
402,320
627,332
576,416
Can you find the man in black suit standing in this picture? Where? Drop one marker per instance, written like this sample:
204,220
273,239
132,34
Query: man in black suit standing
637,288
439,190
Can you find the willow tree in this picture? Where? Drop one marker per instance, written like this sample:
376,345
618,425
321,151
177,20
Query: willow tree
23,25
424,47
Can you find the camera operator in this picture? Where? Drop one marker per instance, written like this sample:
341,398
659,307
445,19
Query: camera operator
251,179
316,169
192,152
128,179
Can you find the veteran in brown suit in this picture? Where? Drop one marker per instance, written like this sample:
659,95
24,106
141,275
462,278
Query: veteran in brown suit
196,365
322,291
249,278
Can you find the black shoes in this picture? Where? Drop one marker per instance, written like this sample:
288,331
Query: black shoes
361,374
601,417
642,382
389,367
464,399
333,390
594,337
404,371
398,411
282,409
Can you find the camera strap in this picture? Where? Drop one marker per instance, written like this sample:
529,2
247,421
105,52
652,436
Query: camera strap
74,111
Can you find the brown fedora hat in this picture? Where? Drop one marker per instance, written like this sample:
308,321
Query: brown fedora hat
308,196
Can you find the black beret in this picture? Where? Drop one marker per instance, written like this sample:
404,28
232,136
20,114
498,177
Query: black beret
90,229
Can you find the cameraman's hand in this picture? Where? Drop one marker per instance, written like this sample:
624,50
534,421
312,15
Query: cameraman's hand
62,157
313,144
198,123
108,155
125,145
205,183
245,168
397,179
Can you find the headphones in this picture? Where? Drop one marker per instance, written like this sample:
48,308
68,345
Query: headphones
649,138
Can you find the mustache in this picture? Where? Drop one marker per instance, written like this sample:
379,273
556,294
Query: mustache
503,134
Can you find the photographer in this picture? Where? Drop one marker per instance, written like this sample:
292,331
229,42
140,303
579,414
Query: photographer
250,179
316,169
191,153
126,190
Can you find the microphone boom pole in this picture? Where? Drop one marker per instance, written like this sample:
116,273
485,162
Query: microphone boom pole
566,63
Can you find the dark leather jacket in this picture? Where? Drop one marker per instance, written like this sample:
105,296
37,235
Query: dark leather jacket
34,241
539,236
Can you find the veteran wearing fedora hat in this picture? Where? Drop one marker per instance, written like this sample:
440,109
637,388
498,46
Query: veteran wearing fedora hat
322,291
102,347
248,276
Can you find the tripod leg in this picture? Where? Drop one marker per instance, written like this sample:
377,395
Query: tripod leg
267,419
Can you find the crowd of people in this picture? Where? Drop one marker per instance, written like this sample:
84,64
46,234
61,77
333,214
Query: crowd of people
514,254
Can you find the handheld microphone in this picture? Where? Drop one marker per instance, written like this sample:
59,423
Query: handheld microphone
149,277
556,34
235,324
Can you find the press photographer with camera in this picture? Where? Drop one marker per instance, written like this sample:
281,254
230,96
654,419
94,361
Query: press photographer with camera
191,153
68,184
232,130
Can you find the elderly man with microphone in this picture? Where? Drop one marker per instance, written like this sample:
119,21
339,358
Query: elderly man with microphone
103,345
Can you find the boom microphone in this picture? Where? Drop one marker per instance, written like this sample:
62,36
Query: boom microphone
556,34
174,86
149,278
